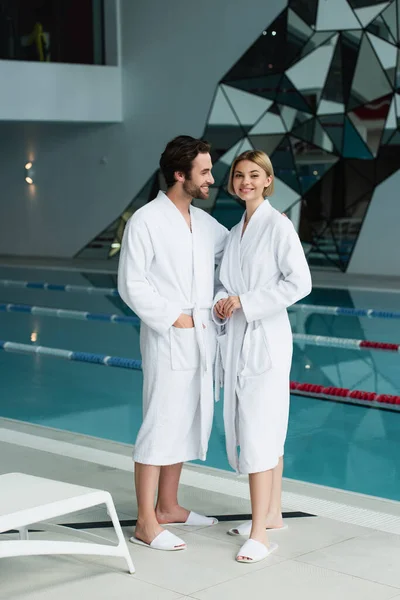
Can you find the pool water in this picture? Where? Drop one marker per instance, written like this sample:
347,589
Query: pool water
336,444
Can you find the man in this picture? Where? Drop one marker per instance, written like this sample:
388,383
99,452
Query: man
166,276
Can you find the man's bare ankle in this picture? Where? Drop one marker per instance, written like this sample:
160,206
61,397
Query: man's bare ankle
144,522
166,509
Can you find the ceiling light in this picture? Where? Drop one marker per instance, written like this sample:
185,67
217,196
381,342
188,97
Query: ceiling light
29,172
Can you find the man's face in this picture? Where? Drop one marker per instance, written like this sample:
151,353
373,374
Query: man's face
200,177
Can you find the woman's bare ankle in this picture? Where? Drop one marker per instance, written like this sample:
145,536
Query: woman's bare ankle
259,535
274,520
147,530
171,514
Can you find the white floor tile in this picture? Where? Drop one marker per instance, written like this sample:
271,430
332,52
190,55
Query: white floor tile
375,557
291,579
205,563
303,534
96,515
212,503
351,499
333,559
86,581
41,573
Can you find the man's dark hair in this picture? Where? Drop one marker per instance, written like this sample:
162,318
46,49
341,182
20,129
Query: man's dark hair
179,155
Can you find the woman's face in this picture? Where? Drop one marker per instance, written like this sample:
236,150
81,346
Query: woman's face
250,180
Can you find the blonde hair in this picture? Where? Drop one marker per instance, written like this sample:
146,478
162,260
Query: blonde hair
259,158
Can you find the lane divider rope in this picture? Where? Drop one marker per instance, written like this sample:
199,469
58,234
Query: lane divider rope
307,308
330,392
315,340
371,313
57,287
88,357
350,344
62,313
306,389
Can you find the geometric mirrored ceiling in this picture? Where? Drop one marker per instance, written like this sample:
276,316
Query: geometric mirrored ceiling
319,91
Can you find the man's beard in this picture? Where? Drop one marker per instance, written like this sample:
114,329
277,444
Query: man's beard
194,190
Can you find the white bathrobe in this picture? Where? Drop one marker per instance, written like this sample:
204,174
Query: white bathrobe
267,269
165,270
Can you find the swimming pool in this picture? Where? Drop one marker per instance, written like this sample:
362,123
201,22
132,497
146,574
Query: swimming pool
330,443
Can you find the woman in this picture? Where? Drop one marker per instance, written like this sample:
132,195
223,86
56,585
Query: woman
263,271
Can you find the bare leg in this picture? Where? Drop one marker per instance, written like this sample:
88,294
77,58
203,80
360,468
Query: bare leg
260,494
167,508
146,481
274,515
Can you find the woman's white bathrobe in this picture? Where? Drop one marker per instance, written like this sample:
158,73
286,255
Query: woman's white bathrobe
267,269
165,270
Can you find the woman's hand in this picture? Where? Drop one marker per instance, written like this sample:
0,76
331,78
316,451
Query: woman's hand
231,304
219,308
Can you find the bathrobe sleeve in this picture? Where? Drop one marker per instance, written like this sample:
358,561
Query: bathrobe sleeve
221,293
295,281
219,290
135,289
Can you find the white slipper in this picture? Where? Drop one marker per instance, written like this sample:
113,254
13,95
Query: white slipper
255,551
245,529
196,520
163,541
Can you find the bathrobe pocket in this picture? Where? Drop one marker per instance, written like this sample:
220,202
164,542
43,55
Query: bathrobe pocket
185,353
256,358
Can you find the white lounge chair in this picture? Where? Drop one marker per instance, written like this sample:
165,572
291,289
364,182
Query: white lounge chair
26,500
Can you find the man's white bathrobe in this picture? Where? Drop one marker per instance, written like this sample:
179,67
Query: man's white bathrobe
267,269
164,270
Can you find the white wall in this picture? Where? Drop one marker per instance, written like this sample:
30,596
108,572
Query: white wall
40,91
377,251
173,55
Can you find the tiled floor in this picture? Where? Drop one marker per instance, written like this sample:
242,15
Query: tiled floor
318,557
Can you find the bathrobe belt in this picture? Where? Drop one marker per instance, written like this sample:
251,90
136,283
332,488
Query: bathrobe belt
196,312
